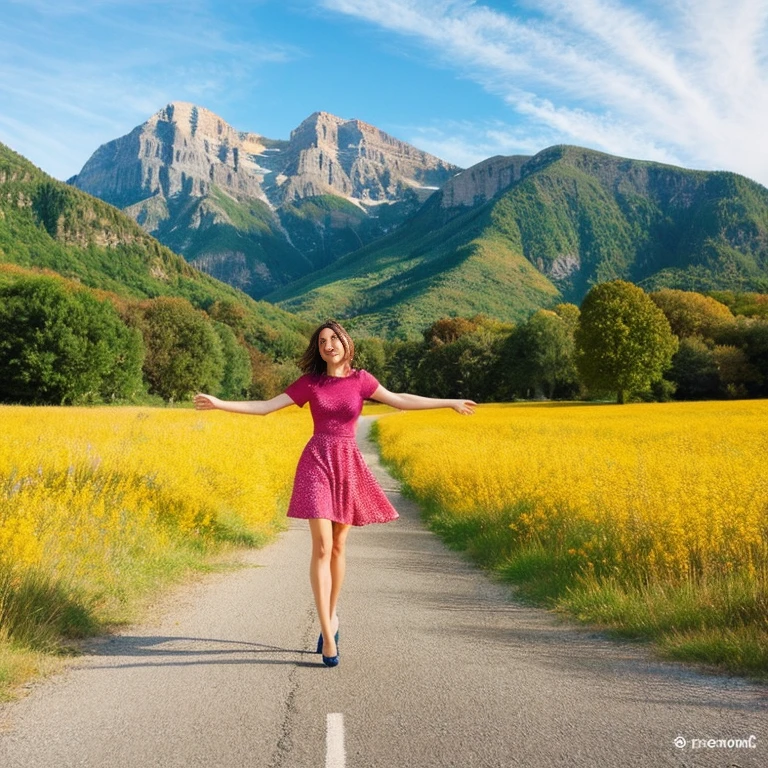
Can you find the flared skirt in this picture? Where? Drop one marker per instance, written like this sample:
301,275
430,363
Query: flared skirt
333,481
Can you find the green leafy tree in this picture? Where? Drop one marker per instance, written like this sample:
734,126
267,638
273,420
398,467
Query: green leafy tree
230,313
436,372
369,354
747,304
267,378
692,314
461,368
236,375
694,370
539,357
756,347
403,359
123,379
448,329
477,361
183,351
51,200
569,314
510,371
737,374
624,342
60,345
546,354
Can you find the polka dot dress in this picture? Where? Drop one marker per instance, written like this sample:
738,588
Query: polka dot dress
332,479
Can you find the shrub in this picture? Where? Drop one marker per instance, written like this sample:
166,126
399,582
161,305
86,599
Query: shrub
60,345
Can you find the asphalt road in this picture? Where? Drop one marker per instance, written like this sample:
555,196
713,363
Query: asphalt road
439,667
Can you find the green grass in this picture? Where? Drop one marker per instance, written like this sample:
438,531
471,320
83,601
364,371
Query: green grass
18,665
722,623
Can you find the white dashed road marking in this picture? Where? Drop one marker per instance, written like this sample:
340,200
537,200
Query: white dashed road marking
334,742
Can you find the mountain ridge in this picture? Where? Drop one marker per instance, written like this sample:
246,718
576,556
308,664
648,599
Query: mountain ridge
261,212
569,218
322,225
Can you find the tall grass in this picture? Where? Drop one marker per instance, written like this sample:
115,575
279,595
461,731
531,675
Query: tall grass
650,519
100,507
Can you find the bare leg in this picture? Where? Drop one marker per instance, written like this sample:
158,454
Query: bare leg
321,580
338,567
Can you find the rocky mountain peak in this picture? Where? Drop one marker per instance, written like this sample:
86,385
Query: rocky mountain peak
181,149
350,158
233,200
186,149
318,128
193,122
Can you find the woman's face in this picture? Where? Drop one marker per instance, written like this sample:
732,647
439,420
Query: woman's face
330,346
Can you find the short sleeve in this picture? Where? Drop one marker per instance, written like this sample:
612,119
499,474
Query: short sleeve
368,384
299,391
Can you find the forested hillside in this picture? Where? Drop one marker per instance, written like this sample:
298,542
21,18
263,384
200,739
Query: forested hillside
46,224
564,220
92,309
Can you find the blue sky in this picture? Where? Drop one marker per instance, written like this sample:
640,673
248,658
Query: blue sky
678,81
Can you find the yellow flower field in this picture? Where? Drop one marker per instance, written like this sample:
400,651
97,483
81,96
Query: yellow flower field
648,519
95,499
645,492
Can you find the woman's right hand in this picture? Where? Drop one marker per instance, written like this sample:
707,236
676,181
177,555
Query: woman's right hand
206,402
464,407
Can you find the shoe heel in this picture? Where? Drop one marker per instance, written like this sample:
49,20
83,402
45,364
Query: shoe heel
320,642
331,661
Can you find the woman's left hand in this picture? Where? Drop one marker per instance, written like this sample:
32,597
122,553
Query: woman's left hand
206,402
464,407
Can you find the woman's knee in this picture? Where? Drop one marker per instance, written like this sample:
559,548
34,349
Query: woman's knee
340,540
322,549
322,540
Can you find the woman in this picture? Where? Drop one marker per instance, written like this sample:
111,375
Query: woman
333,488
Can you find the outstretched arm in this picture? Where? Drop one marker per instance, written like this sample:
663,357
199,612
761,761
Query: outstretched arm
251,407
408,402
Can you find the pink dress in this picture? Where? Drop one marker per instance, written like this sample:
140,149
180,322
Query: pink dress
332,479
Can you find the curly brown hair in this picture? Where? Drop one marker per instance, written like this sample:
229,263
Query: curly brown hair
312,362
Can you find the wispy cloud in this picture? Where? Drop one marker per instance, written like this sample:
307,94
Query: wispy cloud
84,73
683,81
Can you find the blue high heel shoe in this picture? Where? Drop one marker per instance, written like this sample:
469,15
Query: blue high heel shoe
320,645
329,661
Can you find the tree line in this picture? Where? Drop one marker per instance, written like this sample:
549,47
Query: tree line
621,343
64,344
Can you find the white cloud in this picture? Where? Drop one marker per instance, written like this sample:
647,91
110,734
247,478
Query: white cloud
74,75
684,81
